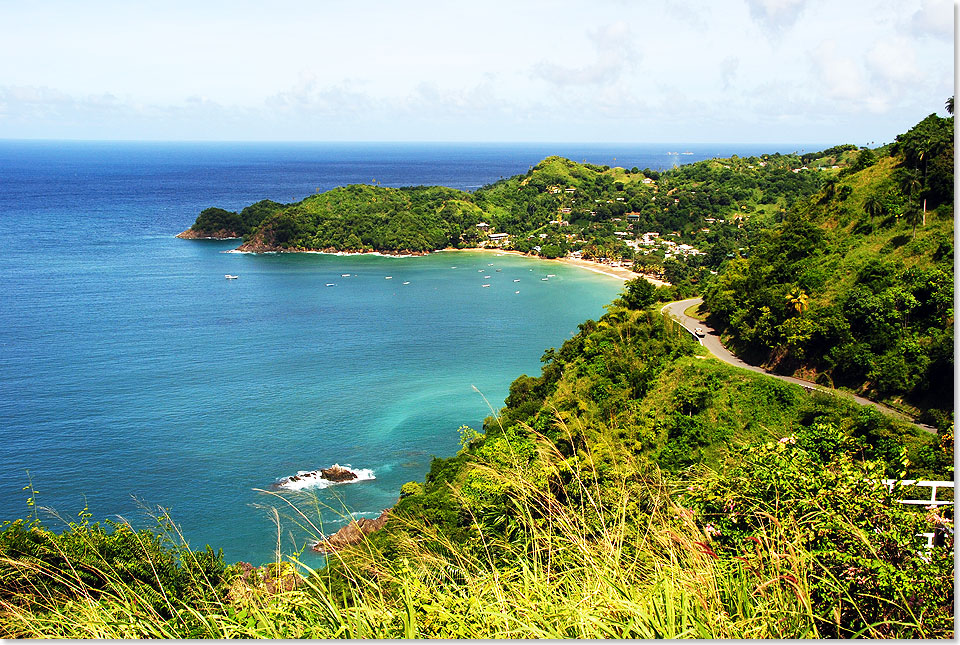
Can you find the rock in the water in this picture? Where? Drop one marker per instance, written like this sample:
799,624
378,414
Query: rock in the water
337,473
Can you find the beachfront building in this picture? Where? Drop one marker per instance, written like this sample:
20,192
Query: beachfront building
498,240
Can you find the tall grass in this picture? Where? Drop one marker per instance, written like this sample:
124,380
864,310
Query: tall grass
581,568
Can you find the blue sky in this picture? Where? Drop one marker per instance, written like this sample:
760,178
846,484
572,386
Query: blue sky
752,71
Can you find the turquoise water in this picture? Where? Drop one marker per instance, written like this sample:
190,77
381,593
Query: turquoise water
134,375
190,391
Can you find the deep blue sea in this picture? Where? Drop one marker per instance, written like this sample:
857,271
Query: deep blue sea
134,375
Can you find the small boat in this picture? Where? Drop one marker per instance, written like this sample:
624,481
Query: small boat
389,277
331,284
344,275
453,267
407,282
545,279
499,270
551,275
479,270
517,280
490,265
484,285
485,277
516,292
230,277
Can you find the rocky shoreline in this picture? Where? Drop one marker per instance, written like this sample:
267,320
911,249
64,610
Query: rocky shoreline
259,247
352,533
222,234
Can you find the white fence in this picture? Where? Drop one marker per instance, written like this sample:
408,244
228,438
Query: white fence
932,500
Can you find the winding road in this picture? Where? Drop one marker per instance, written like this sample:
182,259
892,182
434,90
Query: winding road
711,340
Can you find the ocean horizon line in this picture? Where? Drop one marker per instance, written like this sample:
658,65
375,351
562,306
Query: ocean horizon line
411,142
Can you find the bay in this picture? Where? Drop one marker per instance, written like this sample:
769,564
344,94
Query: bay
134,375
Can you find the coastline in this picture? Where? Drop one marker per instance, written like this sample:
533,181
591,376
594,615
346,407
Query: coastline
619,273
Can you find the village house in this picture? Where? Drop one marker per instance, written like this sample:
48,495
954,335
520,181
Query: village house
498,239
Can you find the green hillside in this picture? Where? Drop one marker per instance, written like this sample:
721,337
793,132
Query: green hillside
854,286
557,207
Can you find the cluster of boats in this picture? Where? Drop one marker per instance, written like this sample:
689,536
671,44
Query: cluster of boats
230,276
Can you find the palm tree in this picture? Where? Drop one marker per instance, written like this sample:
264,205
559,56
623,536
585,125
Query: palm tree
873,206
797,300
830,186
914,215
949,105
911,181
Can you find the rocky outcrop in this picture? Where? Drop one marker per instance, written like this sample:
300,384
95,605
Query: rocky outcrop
352,533
337,473
222,234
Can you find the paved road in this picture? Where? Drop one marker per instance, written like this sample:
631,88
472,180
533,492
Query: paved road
711,340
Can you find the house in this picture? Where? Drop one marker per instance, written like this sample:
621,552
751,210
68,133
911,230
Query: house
483,226
499,239
570,191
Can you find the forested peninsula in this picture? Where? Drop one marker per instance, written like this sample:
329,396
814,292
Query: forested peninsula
636,487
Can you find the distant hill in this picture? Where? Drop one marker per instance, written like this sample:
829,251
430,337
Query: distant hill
557,207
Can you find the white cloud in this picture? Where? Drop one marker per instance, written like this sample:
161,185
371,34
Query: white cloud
934,18
893,62
728,71
615,52
844,82
310,96
776,15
